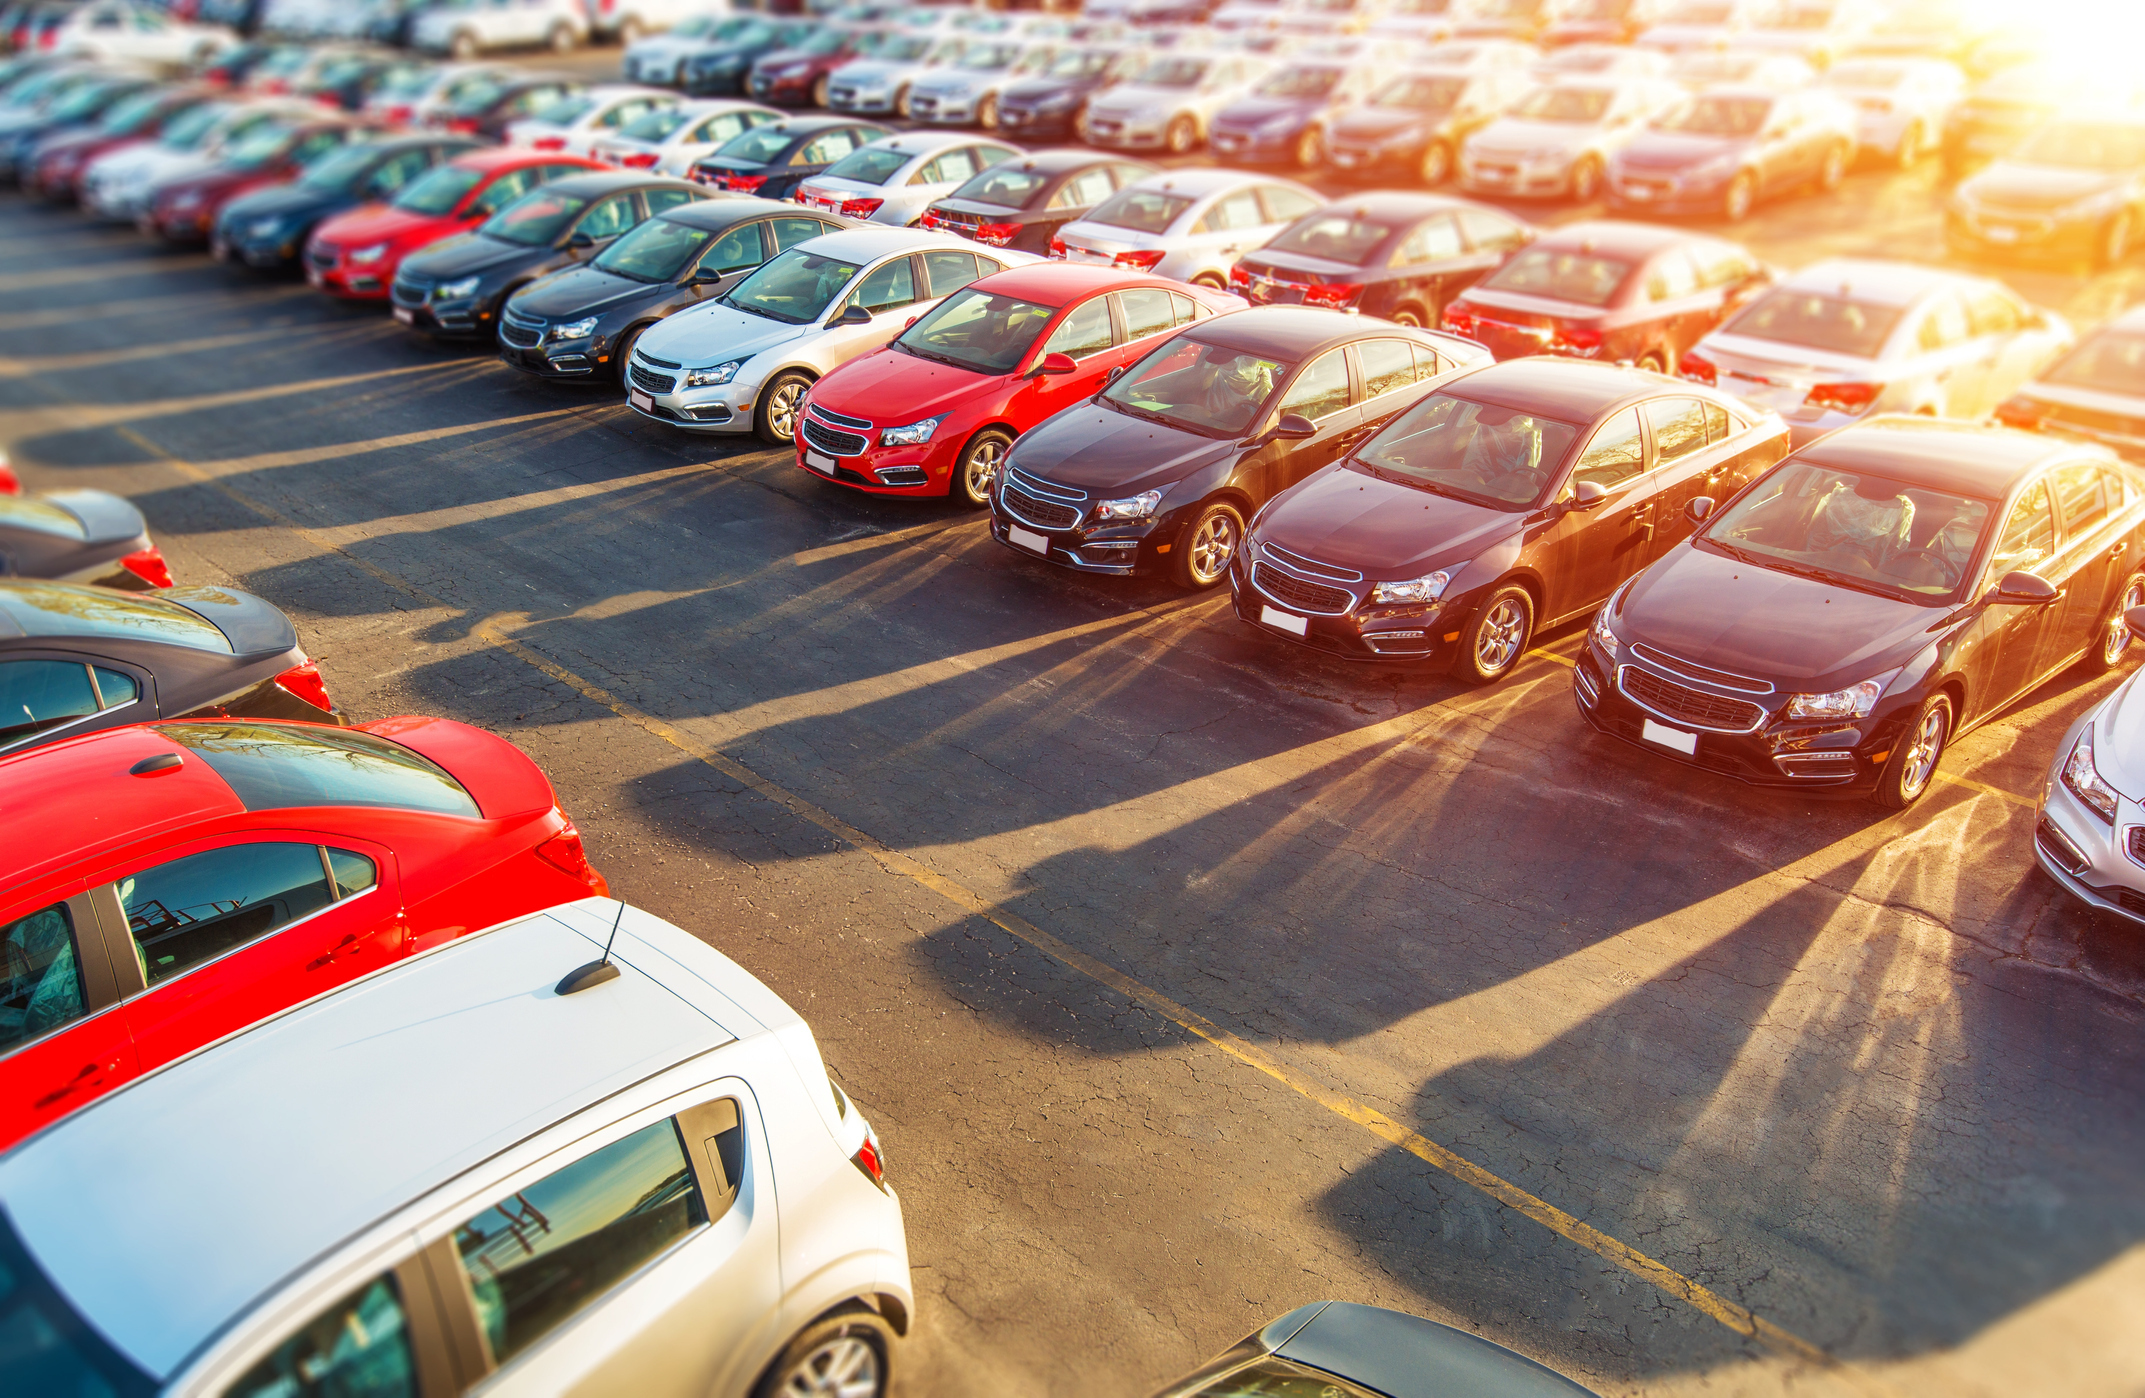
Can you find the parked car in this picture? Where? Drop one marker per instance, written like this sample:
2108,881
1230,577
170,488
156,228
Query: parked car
2095,392
76,111
1700,24
1343,1350
118,184
457,287
659,58
667,140
1168,102
486,108
1049,104
354,255
1399,256
1724,149
1023,203
1160,471
268,226
1600,61
578,120
649,1186
746,363
1415,22
965,90
421,95
56,166
1559,139
718,67
466,29
1284,119
119,30
878,83
989,362
582,322
2003,111
2086,797
1699,69
800,76
77,536
1816,31
893,179
351,78
184,210
1188,225
1903,103
1845,338
1482,55
1602,22
1875,596
1419,120
1522,21
628,21
773,159
2074,190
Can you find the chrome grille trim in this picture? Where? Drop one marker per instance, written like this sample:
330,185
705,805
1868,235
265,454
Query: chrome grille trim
1297,563
648,379
1691,670
1043,489
649,359
1037,514
862,424
520,336
830,441
1666,691
1274,584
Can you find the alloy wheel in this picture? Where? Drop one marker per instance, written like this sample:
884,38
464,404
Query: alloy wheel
987,112
2117,244
1503,630
1437,163
1310,150
982,468
1213,546
782,410
1742,192
844,1367
2117,640
1919,764
1586,180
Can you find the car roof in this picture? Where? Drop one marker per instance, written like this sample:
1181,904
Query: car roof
597,183
715,211
1874,281
1568,390
926,142
513,157
1057,283
1944,454
1199,181
292,1137
1294,332
63,799
1615,236
874,241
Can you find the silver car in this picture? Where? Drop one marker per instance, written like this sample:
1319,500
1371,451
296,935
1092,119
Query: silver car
1188,224
1901,104
1845,338
669,139
965,91
1558,139
894,179
1167,101
881,83
745,363
2090,837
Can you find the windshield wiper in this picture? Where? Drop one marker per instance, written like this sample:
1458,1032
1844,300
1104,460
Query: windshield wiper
1148,413
759,311
931,355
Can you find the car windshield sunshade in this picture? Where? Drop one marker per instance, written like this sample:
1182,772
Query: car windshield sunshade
272,768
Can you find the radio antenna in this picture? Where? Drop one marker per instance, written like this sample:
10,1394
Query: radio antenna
598,971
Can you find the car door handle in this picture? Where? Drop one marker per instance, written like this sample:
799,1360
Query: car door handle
92,1075
2119,550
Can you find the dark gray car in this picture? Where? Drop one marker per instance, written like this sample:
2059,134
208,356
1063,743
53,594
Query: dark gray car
82,536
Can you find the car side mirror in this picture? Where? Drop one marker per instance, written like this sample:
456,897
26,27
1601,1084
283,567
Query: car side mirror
1056,364
1697,509
2135,620
475,212
1115,375
855,315
1294,427
706,276
580,242
1586,495
2024,589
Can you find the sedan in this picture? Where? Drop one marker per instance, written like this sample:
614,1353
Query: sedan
1049,105
800,76
1023,203
1170,100
118,184
1903,103
746,362
578,120
894,179
1284,119
667,140
1636,293
1876,595
771,160
135,33
185,210
878,83
660,58
167,867
78,536
457,287
989,362
1558,139
1724,149
583,322
55,168
1511,500
1190,225
76,113
1417,122
2074,190
487,107
1845,338
269,226
1160,471
719,67
1689,25
2090,799
964,91
2095,393
1999,114
1400,256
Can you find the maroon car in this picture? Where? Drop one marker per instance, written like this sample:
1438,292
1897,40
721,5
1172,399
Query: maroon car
797,76
1629,293
185,210
60,162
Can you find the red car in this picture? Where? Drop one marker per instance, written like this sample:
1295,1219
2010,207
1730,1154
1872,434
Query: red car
60,162
983,366
185,210
171,883
354,255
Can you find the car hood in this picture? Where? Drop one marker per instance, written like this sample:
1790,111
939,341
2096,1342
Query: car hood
661,47
780,58
469,252
286,201
1677,150
1798,632
867,74
165,167
1347,516
1519,135
869,386
1035,91
2119,738
713,333
960,81
1257,111
2045,186
1127,98
1374,124
574,292
1106,452
379,223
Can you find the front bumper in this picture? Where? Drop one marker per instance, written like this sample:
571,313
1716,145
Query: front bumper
1031,124
855,99
567,359
272,253
466,317
784,91
1521,178
328,272
1666,194
832,453
701,82
942,108
1118,550
719,408
2021,233
188,226
1355,160
1278,600
1120,133
2089,856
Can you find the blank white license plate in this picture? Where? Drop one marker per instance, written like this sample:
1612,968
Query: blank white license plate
1286,621
405,315
640,400
312,274
1637,191
2002,235
819,463
1685,743
1027,539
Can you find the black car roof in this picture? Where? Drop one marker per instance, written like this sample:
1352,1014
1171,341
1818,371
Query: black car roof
1619,237
1940,454
1390,205
721,210
1292,332
1068,158
1568,390
597,183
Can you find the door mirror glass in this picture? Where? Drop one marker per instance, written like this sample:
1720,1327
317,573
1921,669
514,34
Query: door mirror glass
853,315
706,276
1057,364
1699,507
2026,589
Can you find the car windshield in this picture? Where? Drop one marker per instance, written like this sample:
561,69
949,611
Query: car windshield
1209,389
1300,82
1562,274
476,97
976,330
536,219
274,768
896,48
338,72
655,125
1853,527
870,164
1079,64
1142,210
1815,320
1171,72
1009,187
566,111
1716,114
2086,145
1566,104
2113,362
341,170
759,145
1500,457
191,128
1421,93
1876,77
1339,237
793,287
129,114
51,1348
654,252
257,147
824,42
438,190
63,609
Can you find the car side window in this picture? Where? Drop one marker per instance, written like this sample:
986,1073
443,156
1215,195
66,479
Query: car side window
1428,365
36,695
948,272
506,189
1321,390
315,146
1718,424
1679,428
2029,535
735,250
608,219
2082,496
791,231
1239,210
954,165
545,1251
1616,456
1488,232
195,908
1672,277
986,266
1433,240
1991,312
357,1348
1149,310
1944,324
1284,205
1721,264
718,128
40,975
826,149
1388,366
395,172
661,200
626,111
888,287
1085,331
1083,191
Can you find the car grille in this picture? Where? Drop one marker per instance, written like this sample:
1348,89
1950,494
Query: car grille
1289,559
1300,593
862,424
644,377
833,441
322,258
1045,514
1685,705
841,94
923,106
521,334
1703,674
408,294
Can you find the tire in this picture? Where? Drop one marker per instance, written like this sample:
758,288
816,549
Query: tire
1497,637
1586,179
1655,361
2115,240
847,1353
2115,638
1414,316
1182,135
775,419
978,467
1310,149
1833,170
1211,282
624,352
987,112
562,39
1911,142
1437,163
1742,193
464,47
901,104
1908,776
819,91
1204,547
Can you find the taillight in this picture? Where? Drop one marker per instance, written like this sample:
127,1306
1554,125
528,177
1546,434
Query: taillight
1459,321
1141,261
860,208
931,220
2012,412
1057,247
741,184
1696,366
401,114
148,565
565,852
548,143
871,1159
639,160
10,483
1332,294
1575,339
1843,397
303,681
462,126
1240,278
996,234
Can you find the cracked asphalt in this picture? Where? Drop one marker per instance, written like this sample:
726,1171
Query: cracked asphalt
1871,1080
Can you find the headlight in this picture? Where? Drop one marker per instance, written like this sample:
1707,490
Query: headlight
1139,507
914,435
1605,634
455,291
2084,780
709,377
1423,589
2092,206
574,329
1855,701
264,228
365,257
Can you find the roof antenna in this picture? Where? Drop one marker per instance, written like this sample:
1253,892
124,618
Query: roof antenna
598,971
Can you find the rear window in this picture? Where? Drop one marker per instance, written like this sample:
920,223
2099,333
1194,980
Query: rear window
271,768
1816,321
870,164
760,145
38,517
1343,238
1562,275
1142,210
1007,187
63,609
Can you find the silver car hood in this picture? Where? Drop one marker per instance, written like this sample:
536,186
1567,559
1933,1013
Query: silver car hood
1517,136
2119,738
716,334
1130,98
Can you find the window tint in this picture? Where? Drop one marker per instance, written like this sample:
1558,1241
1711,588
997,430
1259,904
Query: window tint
198,907
40,980
889,286
1387,365
1671,278
114,688
36,695
2029,535
1944,324
272,768
357,1348
1149,310
948,272
662,200
1616,455
735,250
791,231
1084,332
62,609
1718,424
722,128
827,149
353,872
1432,241
1321,390
542,1253
609,219
1284,205
1083,191
2082,496
953,165
395,172
1679,428
1239,210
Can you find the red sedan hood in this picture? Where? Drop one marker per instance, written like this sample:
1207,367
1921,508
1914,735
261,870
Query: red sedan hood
383,223
892,388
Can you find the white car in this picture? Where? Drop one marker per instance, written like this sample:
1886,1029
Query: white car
745,363
669,139
1776,72
422,95
574,123
1844,338
894,179
880,82
1901,103
467,28
1815,31
120,184
134,33
1600,61
1190,224
628,20
965,91
1167,101
457,1173
1558,139
1701,24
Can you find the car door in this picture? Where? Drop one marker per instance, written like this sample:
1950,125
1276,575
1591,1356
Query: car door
2009,637
1429,267
1088,332
2091,561
893,291
792,229
1687,463
64,1037
383,1335
1322,391
1584,554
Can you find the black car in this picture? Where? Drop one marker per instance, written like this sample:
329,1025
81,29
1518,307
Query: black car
1875,595
488,108
773,159
81,536
679,259
1023,203
1417,122
2096,392
1048,105
1401,256
76,110
1510,500
720,68
1159,472
268,227
74,659
455,288
2074,190
348,79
